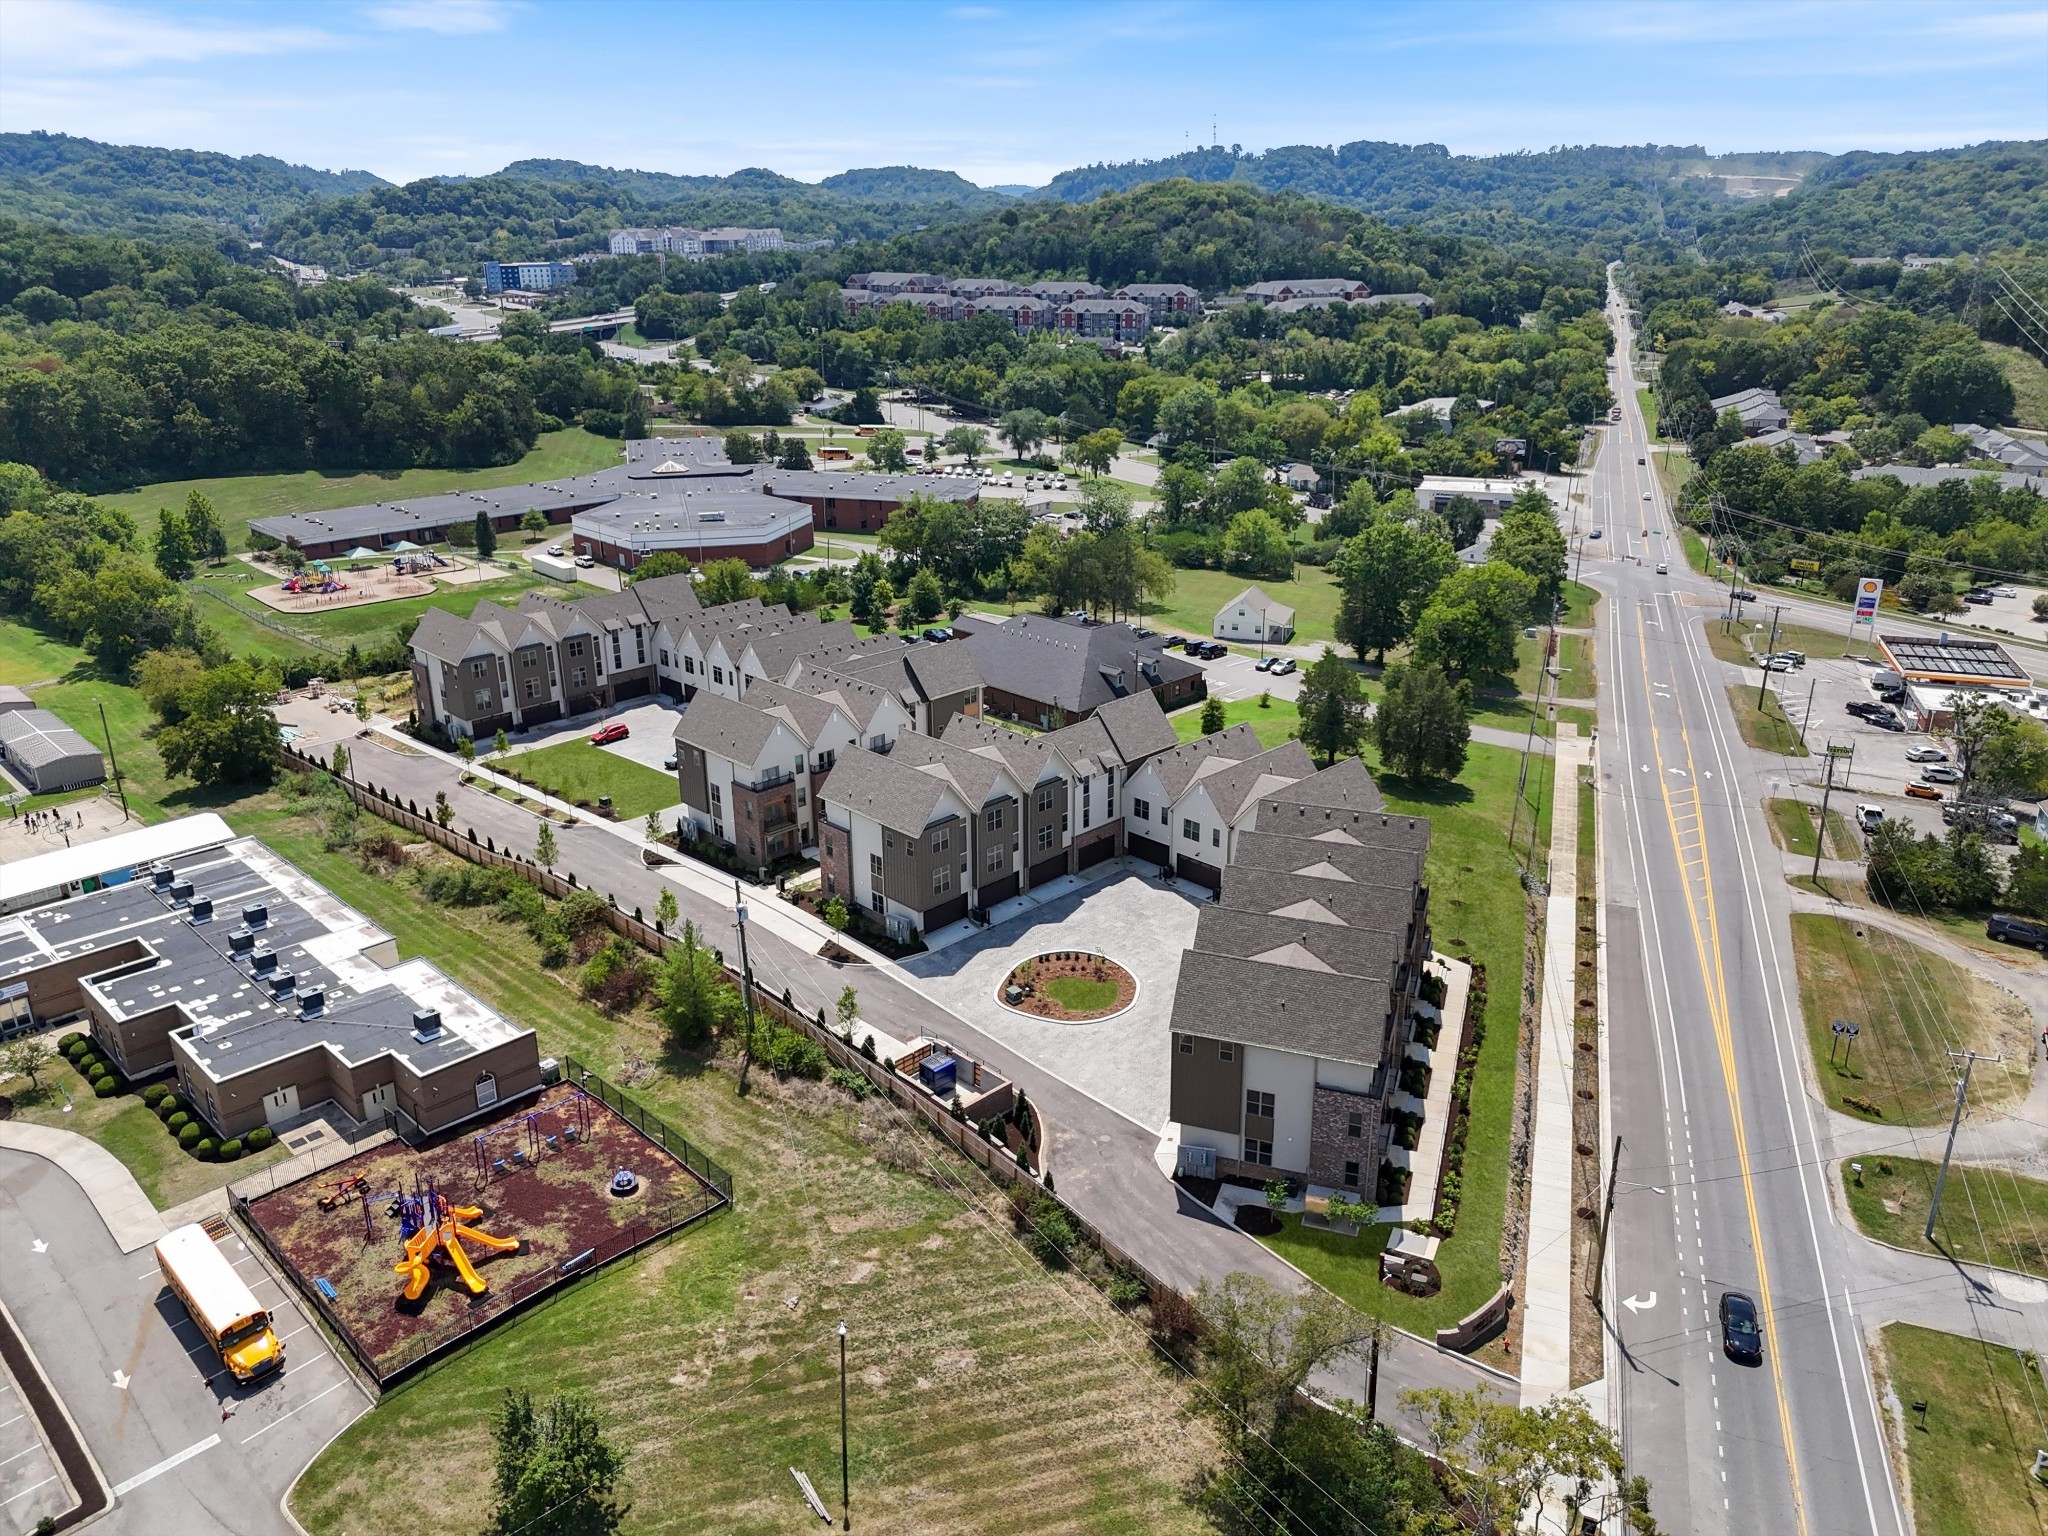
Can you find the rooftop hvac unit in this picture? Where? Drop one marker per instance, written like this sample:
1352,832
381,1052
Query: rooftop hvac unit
255,915
426,1024
161,879
312,1001
263,961
181,890
241,942
710,517
202,909
283,982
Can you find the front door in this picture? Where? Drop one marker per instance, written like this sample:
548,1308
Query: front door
380,1101
282,1104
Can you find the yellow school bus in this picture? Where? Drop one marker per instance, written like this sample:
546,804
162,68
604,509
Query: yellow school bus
236,1325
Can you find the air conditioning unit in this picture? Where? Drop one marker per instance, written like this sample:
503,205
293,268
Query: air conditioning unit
202,909
255,915
312,1001
426,1024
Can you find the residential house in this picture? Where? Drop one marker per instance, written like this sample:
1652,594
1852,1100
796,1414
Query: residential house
2027,455
1255,619
1349,290
749,771
1760,409
1051,671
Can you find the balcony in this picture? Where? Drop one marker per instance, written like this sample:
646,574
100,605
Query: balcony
774,778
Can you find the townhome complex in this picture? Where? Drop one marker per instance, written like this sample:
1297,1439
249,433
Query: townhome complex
1047,671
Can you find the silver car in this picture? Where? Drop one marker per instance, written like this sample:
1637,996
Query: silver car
1926,755
1940,773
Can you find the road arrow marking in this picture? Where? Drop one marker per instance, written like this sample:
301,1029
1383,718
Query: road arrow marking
39,1246
120,1381
1638,1304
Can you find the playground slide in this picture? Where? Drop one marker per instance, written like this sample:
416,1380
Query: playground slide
485,1240
476,1282
415,1278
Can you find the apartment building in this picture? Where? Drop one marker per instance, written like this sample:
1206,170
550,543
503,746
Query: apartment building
1163,301
1051,671
1118,320
1331,290
527,276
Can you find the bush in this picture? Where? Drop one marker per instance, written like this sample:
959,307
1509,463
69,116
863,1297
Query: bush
788,1053
105,1088
260,1138
177,1122
69,1039
230,1150
167,1106
190,1135
85,1062
74,1046
1126,1290
155,1094
1047,1231
205,1149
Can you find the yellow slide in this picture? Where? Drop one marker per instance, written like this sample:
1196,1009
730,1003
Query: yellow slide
449,1234
414,1265
484,1239
476,1282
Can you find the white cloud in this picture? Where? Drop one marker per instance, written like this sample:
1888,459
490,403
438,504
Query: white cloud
77,37
450,18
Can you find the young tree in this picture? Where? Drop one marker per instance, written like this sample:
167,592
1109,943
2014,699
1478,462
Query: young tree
887,450
835,914
202,526
848,1011
696,997
545,851
500,742
1333,708
882,599
740,447
227,733
1385,577
969,443
338,763
556,1474
1470,625
173,544
926,599
27,1057
1213,719
465,748
362,706
443,811
486,536
726,581
534,523
651,830
1421,725
665,908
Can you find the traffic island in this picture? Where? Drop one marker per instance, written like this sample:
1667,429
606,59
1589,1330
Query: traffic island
1068,986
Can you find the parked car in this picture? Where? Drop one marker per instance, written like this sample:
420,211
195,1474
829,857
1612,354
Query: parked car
554,549
1926,755
1978,599
938,634
2017,930
1663,569
1869,709
1775,664
586,561
1940,773
604,736
1868,817
1742,1335
1285,665
1266,663
669,762
1923,791
1888,722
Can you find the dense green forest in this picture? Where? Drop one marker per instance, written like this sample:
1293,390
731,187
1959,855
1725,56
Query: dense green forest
133,190
124,361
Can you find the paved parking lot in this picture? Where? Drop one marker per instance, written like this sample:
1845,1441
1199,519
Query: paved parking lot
652,723
181,1447
30,1487
1237,676
1138,922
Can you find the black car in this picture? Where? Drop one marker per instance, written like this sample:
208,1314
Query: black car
1979,599
2017,930
1742,595
1742,1337
938,635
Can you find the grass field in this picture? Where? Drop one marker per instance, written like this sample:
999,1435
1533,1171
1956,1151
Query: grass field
1197,595
578,772
2029,383
1579,602
1745,640
247,628
1674,469
1574,662
1792,825
28,657
238,498
1914,1006
1482,921
1032,1407
1766,727
1648,401
1081,994
1988,1215
1969,1466
1279,722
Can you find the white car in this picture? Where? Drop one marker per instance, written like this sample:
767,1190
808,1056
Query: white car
1926,755
1663,569
1646,495
554,549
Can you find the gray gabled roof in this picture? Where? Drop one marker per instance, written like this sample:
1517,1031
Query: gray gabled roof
1027,757
861,699
1388,908
1285,1008
806,714
975,778
1078,667
1232,787
444,636
1344,786
1177,766
1137,725
1387,864
35,738
885,790
1253,598
726,728
1369,952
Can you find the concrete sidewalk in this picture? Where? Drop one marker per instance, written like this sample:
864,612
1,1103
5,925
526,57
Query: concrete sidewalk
1547,1294
130,1217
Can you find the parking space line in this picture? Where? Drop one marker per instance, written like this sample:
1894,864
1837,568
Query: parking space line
294,1333
309,1402
15,1420
31,1488
33,1445
150,1473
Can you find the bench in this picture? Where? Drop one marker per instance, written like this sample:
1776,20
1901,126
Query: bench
326,1288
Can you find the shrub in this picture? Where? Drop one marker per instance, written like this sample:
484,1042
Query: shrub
67,1040
230,1150
85,1062
1048,1231
1125,1290
177,1122
105,1088
260,1138
790,1054
190,1135
867,1046
155,1093
100,1072
855,1083
167,1106
74,1046
205,1148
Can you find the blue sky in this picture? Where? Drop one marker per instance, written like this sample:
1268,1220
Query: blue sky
1007,93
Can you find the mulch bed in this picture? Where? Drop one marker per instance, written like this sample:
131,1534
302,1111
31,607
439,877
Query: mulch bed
1047,968
557,1209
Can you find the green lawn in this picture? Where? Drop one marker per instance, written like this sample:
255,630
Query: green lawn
1792,824
238,498
1674,469
1648,401
578,772
1579,603
1033,1408
77,702
1988,1215
1081,994
1914,1006
1198,595
1764,727
1970,1466
27,656
1574,663
1477,911
1279,721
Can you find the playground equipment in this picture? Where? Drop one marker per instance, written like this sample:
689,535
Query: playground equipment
327,581
341,1190
532,1137
442,1228
625,1181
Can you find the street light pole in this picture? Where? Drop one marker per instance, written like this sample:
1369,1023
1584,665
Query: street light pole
845,1495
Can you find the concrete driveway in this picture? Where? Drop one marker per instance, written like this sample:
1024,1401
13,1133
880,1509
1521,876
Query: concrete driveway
1138,922
181,1452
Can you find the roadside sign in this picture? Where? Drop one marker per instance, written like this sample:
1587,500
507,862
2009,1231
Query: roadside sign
1805,565
1868,590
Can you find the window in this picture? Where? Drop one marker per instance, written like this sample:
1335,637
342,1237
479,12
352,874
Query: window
483,698
718,675
1190,831
481,667
1258,1105
1355,1126
1045,837
1260,1152
803,797
717,795
942,880
1109,791
1087,786
1044,799
690,665
1225,1051
995,859
875,868
1351,1174
750,847
718,830
994,818
577,676
1163,813
640,644
1186,1044
574,649
664,656
750,810
942,839
831,885
532,690
618,660
1142,809
879,902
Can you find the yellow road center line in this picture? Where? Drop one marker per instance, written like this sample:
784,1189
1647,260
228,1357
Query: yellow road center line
1707,944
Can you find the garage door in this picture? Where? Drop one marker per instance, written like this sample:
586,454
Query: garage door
945,912
1088,857
638,688
1146,848
1048,869
1205,875
997,890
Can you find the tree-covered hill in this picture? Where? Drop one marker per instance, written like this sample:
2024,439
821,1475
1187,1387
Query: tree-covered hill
137,190
912,184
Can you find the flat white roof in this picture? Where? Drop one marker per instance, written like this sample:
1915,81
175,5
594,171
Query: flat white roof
121,851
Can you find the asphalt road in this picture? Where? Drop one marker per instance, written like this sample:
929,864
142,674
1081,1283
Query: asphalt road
182,1453
1721,1182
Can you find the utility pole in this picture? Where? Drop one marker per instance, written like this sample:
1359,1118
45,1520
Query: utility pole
1969,1059
739,915
1770,649
1820,833
845,1496
112,761
1372,1380
1606,1217
1809,710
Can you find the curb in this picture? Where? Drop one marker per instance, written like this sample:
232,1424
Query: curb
75,1463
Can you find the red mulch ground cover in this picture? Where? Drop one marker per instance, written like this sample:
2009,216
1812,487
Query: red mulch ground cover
1046,968
557,1209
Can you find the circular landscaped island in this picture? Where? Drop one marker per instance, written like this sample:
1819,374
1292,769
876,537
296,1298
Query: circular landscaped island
1069,986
